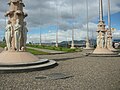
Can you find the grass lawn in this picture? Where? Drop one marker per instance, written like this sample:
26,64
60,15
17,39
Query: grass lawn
54,48
35,52
2,44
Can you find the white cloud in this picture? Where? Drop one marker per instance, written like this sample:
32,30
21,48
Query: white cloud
79,34
45,12
116,34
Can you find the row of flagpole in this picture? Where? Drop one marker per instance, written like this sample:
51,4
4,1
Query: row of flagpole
87,22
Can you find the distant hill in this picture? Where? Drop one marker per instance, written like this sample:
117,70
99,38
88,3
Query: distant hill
77,43
116,40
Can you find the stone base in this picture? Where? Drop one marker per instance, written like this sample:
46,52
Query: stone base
88,48
104,52
103,55
72,47
22,61
113,49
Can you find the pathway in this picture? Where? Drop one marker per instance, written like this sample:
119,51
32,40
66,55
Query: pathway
48,51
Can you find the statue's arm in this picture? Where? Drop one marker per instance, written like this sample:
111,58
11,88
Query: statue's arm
12,28
26,29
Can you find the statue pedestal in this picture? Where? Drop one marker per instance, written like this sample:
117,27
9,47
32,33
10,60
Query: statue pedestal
88,45
72,47
103,52
113,49
88,48
16,37
22,60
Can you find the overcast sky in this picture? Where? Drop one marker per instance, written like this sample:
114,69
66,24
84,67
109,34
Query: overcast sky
44,15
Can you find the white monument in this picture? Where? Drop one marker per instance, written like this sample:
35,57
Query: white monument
8,35
109,32
17,35
15,55
25,30
102,34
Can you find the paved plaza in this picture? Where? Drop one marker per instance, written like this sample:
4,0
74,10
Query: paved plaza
51,22
74,72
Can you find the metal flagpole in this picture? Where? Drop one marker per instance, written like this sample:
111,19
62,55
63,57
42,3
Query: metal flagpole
57,12
109,32
40,42
87,36
72,44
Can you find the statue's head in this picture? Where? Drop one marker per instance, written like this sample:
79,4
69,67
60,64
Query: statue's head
25,23
9,22
17,21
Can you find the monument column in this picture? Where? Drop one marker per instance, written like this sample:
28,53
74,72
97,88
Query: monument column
109,32
102,34
15,14
15,57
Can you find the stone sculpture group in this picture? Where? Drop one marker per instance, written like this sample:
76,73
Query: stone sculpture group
104,40
16,31
101,40
15,55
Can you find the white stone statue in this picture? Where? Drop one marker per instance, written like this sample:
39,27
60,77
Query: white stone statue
98,40
17,34
102,40
25,30
109,40
8,35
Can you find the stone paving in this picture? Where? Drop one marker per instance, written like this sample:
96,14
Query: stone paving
84,73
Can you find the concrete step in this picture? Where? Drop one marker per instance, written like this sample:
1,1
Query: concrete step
104,55
28,67
41,61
